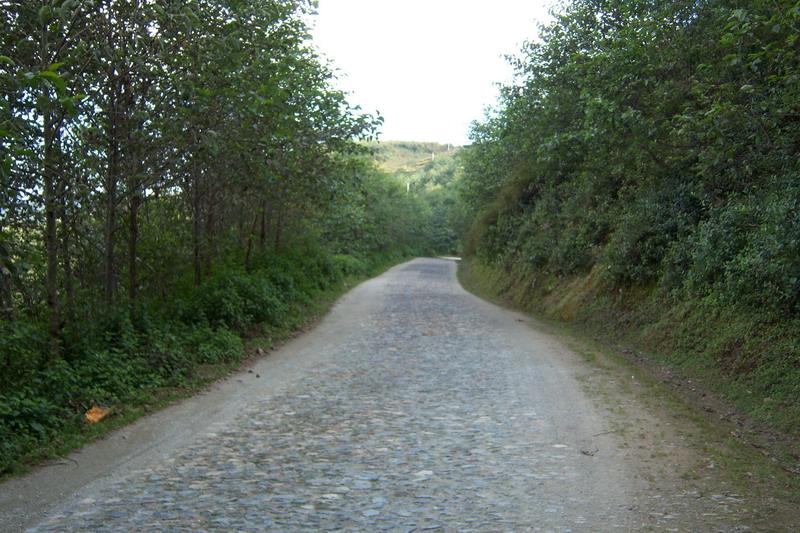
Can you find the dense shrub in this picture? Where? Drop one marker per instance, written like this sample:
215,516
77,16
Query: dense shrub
572,251
284,283
766,271
715,242
237,300
640,242
215,346
108,376
655,140
650,150
348,265
26,418
23,351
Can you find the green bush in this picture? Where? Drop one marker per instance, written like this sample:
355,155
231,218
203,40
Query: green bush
766,271
110,376
715,242
348,265
572,251
238,300
286,284
644,235
23,351
319,270
28,413
215,346
59,383
26,418
167,354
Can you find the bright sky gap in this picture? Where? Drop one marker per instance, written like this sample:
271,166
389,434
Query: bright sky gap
429,67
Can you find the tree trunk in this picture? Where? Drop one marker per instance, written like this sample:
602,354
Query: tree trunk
198,270
249,250
208,245
112,177
69,282
66,245
262,233
133,239
6,300
278,229
50,234
49,173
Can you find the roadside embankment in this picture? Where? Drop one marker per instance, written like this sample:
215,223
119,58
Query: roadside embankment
736,367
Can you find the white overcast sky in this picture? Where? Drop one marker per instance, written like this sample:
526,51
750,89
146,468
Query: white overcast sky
429,66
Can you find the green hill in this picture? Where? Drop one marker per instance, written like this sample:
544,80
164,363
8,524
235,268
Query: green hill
409,156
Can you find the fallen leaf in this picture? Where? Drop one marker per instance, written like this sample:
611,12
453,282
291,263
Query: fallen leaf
96,414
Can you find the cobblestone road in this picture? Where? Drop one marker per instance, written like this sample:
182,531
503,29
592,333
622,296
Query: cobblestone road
433,411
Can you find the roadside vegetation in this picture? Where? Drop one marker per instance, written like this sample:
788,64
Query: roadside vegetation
431,173
179,180
641,178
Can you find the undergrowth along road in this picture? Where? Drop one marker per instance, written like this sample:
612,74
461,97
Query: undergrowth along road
292,294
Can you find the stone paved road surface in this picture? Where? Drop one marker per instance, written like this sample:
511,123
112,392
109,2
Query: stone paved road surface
414,406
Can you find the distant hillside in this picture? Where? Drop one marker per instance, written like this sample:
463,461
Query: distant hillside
409,156
429,172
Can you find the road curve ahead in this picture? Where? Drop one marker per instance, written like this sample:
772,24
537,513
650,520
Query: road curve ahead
413,406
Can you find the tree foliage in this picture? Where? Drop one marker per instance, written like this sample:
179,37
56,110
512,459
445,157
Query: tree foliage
173,174
202,126
430,174
654,140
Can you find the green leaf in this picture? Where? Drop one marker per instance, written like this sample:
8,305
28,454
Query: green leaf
54,79
732,59
45,14
5,60
5,166
729,39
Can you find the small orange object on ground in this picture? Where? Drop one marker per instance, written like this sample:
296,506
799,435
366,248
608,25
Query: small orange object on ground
96,414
